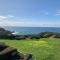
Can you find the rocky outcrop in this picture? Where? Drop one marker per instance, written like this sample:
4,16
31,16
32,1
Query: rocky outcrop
5,34
9,53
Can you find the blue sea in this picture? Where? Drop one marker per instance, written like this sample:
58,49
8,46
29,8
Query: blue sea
32,30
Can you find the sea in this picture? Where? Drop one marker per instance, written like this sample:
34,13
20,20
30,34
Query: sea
32,30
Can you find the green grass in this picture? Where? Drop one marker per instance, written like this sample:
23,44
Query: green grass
42,49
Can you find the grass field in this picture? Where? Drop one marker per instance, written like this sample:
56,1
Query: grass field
42,49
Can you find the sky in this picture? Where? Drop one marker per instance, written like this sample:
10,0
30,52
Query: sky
30,13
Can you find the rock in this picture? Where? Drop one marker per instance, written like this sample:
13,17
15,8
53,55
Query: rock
21,56
3,46
28,57
2,29
10,53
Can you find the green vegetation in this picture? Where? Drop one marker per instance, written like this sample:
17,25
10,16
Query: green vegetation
42,49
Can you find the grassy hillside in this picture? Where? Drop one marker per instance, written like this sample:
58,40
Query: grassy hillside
42,49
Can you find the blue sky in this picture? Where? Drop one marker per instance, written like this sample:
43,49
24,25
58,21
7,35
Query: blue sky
30,13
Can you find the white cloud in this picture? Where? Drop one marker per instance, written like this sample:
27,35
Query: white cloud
7,17
5,21
11,16
57,12
29,23
3,17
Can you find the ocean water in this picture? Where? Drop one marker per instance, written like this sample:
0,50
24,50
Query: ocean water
33,30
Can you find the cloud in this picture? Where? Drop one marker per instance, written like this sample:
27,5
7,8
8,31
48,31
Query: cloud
6,21
3,17
29,23
58,12
11,16
7,17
